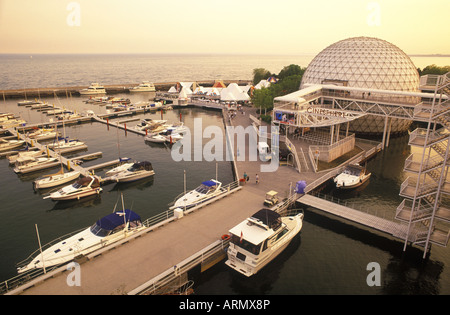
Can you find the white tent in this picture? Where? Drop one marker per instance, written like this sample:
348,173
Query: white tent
235,93
262,84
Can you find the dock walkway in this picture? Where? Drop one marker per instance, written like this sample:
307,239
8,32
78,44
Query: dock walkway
395,229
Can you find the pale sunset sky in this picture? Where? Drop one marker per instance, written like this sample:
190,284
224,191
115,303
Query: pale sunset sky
288,27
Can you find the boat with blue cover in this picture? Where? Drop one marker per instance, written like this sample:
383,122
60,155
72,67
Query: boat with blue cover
107,230
207,190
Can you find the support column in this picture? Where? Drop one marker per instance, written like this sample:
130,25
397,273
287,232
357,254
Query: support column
332,133
389,132
383,143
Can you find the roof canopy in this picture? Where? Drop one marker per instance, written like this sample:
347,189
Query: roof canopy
113,220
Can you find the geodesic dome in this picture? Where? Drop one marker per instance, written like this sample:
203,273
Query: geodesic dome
365,62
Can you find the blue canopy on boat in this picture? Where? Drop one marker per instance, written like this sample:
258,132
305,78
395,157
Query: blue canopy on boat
113,220
209,183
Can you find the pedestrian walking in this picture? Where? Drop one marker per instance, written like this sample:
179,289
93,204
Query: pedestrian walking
257,178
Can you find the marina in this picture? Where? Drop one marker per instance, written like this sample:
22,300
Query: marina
174,231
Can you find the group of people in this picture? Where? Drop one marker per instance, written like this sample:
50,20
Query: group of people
247,178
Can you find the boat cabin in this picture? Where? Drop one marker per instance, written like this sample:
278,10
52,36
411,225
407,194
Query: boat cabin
206,187
116,222
85,181
141,166
258,232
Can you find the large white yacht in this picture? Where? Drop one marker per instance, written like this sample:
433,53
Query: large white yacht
145,86
93,89
353,176
107,230
202,193
259,239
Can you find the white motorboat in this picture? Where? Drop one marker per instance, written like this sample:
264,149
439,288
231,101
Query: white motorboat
106,231
124,165
93,89
66,145
29,153
137,171
43,134
28,164
6,145
145,86
353,176
12,123
207,190
28,102
54,180
259,239
167,136
149,124
84,187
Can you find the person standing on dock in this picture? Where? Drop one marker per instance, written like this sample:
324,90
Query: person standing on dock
257,179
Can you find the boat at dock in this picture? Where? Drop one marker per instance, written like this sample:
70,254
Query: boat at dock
42,134
29,164
145,86
149,124
137,171
124,165
93,89
6,145
66,145
260,238
84,187
54,180
207,190
105,231
167,136
29,102
33,153
353,176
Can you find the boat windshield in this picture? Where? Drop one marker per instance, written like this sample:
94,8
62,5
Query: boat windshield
252,248
98,231
203,189
77,185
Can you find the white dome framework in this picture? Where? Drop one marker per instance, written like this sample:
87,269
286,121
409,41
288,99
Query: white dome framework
365,62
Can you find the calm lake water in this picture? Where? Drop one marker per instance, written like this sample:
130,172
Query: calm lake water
330,256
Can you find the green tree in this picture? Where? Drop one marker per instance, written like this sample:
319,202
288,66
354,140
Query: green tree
290,71
434,69
260,74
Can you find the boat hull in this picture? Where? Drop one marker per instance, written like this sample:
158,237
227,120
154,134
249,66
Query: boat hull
354,185
77,196
133,177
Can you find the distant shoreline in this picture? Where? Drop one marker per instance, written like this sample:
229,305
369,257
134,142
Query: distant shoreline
430,55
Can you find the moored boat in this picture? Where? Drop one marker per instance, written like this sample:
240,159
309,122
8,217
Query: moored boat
207,190
6,145
137,171
57,179
93,89
29,164
260,238
145,86
353,176
84,187
106,231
